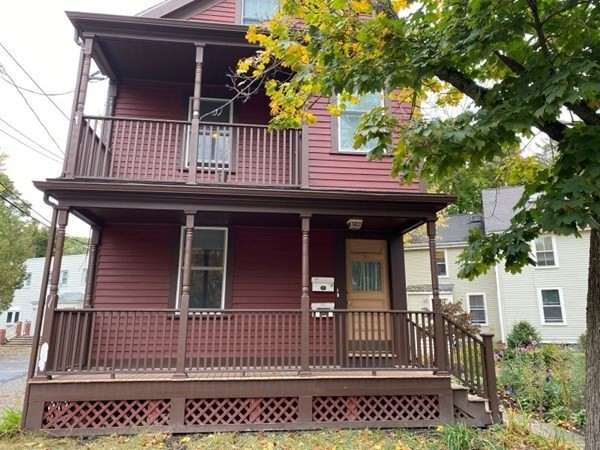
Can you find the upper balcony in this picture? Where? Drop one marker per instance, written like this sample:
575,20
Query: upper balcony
171,117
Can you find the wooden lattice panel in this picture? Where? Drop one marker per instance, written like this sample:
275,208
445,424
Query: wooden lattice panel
61,415
376,408
461,414
241,411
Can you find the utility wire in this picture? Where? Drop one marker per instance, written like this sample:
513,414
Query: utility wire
26,213
31,91
33,111
29,139
34,82
53,159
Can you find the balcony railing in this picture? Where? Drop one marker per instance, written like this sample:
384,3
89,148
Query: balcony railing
129,149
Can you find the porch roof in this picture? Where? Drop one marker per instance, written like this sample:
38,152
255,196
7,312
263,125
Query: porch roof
98,202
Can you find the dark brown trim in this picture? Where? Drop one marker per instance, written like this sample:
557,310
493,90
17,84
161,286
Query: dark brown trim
229,269
397,273
174,272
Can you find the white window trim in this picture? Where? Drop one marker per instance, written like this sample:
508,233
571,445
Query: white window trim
554,251
180,266
562,307
207,164
62,278
243,15
485,307
445,262
26,284
351,151
13,311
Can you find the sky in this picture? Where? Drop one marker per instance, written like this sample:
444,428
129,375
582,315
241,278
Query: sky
39,36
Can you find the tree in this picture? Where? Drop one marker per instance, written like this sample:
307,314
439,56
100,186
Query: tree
15,243
39,236
525,65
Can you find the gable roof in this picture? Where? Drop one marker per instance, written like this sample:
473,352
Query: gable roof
454,231
177,9
498,207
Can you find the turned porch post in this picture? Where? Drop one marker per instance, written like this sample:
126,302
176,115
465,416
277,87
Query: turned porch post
184,307
438,322
77,117
305,299
52,298
193,150
91,269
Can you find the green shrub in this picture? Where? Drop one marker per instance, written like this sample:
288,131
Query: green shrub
523,334
579,418
582,342
10,423
459,436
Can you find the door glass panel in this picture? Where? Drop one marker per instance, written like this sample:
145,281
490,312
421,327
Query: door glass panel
366,276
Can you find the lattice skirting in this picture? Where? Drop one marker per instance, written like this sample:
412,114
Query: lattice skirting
459,413
241,411
376,408
105,414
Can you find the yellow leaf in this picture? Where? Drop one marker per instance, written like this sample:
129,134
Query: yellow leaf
185,440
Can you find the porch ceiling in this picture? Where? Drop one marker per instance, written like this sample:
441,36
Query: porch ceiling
161,49
218,205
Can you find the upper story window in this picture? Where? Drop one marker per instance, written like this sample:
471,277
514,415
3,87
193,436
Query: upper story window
350,118
477,308
545,251
64,278
440,259
27,281
257,11
552,307
209,261
214,139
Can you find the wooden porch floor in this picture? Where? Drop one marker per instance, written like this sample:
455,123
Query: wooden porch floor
241,376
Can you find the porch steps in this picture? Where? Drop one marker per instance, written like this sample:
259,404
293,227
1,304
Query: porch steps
20,341
470,409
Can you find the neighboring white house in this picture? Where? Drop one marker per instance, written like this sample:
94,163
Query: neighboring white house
551,296
25,300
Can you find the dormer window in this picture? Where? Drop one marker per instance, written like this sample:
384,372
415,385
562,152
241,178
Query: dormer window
258,11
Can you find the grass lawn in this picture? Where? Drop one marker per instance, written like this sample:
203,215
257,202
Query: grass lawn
515,435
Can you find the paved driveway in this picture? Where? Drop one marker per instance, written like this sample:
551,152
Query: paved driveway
12,367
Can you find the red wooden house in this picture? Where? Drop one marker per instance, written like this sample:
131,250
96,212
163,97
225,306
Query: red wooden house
239,278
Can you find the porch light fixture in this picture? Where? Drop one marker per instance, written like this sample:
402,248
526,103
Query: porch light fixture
354,224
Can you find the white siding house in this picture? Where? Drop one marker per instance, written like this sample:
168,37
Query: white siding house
25,300
551,296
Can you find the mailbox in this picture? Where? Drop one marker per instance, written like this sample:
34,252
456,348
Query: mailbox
322,309
323,284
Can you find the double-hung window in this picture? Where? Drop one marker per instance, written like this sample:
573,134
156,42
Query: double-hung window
64,278
440,260
27,281
209,262
215,134
12,317
477,308
258,11
545,252
350,118
552,307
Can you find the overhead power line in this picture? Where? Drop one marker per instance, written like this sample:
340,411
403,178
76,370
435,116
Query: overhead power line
30,147
33,81
44,149
33,111
31,91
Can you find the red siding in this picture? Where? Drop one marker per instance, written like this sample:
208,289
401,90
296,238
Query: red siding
223,12
134,266
328,170
152,100
267,270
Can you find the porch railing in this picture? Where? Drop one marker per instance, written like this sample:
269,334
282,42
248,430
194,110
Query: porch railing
133,149
129,340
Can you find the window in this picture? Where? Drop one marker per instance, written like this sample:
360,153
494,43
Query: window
209,260
349,120
214,139
64,277
366,276
477,308
552,307
12,317
544,252
440,259
257,11
27,281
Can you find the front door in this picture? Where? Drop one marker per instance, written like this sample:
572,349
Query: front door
368,290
